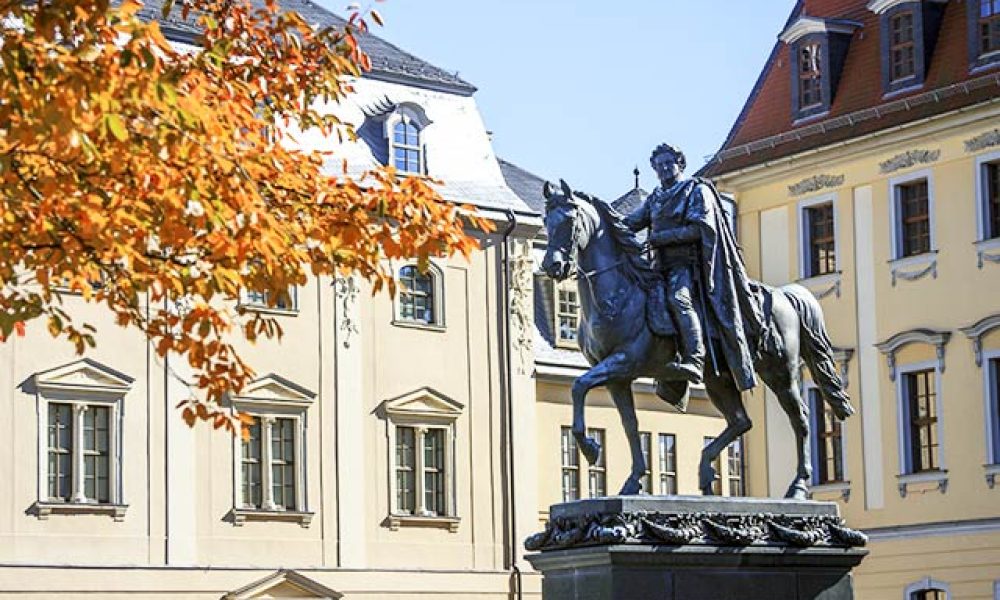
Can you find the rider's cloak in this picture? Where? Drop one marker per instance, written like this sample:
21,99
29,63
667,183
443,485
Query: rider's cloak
738,316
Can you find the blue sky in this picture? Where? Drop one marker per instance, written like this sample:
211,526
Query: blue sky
584,90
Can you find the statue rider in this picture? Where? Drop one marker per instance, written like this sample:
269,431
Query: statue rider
701,262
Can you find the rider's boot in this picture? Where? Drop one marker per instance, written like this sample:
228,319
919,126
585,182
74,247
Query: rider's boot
692,364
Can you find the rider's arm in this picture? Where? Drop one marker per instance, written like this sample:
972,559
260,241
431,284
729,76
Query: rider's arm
639,219
675,236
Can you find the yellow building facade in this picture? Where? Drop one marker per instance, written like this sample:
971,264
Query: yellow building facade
886,207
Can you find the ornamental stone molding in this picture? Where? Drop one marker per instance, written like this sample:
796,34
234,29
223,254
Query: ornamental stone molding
932,337
521,310
842,356
909,159
346,290
698,529
983,141
815,183
976,331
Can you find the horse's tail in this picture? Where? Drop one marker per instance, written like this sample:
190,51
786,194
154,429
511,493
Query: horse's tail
817,351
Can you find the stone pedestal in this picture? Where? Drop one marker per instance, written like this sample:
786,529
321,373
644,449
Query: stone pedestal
696,548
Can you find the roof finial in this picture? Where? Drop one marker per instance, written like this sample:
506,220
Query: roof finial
636,173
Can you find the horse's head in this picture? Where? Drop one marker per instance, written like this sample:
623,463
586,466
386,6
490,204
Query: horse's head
561,213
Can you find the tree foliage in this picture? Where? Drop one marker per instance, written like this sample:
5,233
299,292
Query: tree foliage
159,181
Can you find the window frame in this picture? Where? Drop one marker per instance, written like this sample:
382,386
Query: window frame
720,475
599,470
568,447
922,16
895,214
910,45
926,584
646,445
81,384
663,462
268,399
737,460
817,410
423,410
805,235
567,287
978,60
991,397
904,432
822,107
983,216
437,295
412,114
258,302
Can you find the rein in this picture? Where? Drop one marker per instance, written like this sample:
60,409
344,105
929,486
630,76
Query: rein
587,276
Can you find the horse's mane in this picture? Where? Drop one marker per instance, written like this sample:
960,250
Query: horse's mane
637,265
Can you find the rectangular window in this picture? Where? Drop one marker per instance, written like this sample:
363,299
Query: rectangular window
914,218
810,76
251,467
434,471
929,595
737,469
920,393
821,255
567,315
96,454
717,465
989,26
405,466
283,463
827,443
60,453
994,398
570,466
668,464
598,471
645,441
288,301
902,48
991,201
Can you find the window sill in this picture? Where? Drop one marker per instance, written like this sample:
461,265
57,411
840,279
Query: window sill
419,325
985,62
824,285
239,516
906,87
911,268
988,251
42,510
922,482
831,490
802,120
267,310
396,521
992,474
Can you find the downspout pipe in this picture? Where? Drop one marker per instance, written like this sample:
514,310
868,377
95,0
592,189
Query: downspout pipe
509,393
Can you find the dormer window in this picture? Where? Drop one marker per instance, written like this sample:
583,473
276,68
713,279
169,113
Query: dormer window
818,48
406,153
810,76
908,31
903,48
989,26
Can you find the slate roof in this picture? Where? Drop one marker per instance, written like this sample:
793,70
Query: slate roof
525,184
630,201
388,61
765,129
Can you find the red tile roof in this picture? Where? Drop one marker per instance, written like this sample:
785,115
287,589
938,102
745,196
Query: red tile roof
765,130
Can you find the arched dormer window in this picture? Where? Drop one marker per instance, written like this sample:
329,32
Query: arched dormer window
407,155
420,296
396,134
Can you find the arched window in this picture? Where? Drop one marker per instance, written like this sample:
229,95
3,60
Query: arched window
419,296
407,153
927,589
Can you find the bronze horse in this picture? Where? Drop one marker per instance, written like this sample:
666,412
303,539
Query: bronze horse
586,236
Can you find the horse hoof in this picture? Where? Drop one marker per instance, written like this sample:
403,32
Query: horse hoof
591,450
797,491
706,477
631,487
707,491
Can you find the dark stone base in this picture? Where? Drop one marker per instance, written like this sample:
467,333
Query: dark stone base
627,572
695,548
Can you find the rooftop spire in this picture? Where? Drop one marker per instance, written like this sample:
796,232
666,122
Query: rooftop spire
636,173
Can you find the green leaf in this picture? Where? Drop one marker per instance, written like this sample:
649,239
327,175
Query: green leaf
117,127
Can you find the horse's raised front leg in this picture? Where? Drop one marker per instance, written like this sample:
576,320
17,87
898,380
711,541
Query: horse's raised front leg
613,367
621,392
726,397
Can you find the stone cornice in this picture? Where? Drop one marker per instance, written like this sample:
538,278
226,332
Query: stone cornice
932,337
976,331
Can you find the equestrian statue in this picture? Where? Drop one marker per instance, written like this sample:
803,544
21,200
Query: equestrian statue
681,310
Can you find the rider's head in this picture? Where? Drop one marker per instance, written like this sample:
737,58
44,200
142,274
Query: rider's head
673,151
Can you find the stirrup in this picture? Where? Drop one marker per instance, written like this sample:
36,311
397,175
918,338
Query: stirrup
687,371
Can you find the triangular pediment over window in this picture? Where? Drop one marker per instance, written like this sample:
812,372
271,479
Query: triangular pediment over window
284,584
274,389
425,402
86,375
